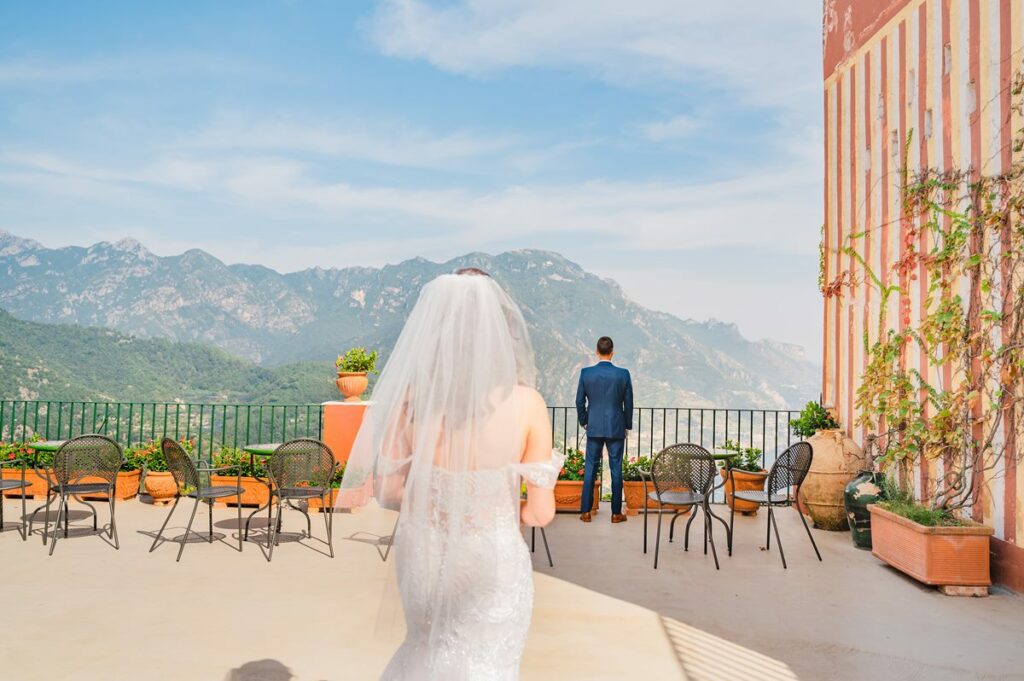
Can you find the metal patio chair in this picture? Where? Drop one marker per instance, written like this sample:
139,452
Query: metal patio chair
782,489
87,464
300,470
683,475
194,481
15,484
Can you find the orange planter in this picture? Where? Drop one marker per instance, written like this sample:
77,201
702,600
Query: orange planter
315,504
745,481
160,486
37,483
352,384
126,487
569,495
941,556
254,490
633,491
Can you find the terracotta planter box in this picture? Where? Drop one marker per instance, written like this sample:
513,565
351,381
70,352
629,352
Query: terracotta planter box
633,491
569,495
745,481
161,487
36,482
940,556
126,487
254,490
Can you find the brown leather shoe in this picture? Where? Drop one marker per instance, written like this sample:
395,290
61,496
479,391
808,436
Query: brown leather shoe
585,517
618,517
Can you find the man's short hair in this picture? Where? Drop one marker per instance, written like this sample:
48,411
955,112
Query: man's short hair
605,346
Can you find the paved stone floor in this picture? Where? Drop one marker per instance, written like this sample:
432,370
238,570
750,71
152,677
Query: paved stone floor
602,612
848,617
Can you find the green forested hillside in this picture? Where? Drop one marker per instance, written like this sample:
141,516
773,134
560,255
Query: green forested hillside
67,362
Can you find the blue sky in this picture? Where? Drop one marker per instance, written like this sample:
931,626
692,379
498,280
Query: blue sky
674,146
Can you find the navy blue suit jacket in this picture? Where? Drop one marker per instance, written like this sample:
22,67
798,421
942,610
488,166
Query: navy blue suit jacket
604,401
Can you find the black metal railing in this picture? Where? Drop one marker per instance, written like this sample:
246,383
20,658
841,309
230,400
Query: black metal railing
210,426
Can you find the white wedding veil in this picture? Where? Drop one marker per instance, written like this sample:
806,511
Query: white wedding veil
446,403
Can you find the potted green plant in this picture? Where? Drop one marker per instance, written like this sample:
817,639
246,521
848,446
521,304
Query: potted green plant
156,479
569,488
837,460
742,472
34,462
354,368
255,489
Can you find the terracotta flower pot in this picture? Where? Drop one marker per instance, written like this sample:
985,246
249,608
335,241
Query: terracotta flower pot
744,481
569,495
315,504
837,460
160,486
36,483
126,486
352,384
254,490
942,556
633,491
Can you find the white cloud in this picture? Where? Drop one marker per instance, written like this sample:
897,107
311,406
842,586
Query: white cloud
756,49
673,128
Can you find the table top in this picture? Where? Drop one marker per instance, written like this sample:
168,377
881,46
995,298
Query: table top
261,449
45,445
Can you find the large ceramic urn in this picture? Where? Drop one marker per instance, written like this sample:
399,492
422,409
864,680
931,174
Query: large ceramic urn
837,460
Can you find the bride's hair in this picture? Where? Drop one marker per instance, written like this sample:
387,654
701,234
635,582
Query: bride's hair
472,271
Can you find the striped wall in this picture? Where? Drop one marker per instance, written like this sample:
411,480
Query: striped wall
942,69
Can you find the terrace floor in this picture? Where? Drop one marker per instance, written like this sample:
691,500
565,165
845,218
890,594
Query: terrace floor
89,612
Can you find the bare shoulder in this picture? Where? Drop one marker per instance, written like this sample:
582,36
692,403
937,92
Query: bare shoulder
531,400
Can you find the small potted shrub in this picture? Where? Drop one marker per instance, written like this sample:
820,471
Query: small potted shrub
569,488
354,368
255,485
635,489
316,504
34,462
156,479
837,460
743,473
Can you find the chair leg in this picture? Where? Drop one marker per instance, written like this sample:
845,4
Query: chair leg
188,530
533,540
657,540
209,504
46,516
709,530
778,541
275,530
768,535
732,519
24,511
327,512
672,526
686,539
53,540
66,514
113,522
544,538
645,524
239,507
707,523
809,535
166,520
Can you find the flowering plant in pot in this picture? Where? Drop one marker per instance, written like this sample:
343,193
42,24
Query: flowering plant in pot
569,488
13,452
354,368
742,472
255,489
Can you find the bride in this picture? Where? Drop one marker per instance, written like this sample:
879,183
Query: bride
455,425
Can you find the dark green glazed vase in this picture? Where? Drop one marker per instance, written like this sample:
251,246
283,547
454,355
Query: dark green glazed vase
864,489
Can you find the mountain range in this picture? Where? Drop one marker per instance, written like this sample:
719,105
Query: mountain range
268,320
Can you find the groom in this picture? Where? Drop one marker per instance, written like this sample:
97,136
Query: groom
604,406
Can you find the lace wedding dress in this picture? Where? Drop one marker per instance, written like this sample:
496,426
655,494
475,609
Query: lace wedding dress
441,443
489,606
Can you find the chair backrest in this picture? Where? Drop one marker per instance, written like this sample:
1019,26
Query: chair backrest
790,469
683,466
300,463
179,462
88,457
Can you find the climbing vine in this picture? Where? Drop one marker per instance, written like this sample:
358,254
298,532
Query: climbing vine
969,328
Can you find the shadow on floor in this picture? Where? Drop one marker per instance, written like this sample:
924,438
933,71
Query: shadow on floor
260,670
705,657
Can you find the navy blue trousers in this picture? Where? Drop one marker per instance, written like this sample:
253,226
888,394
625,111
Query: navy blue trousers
595,445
